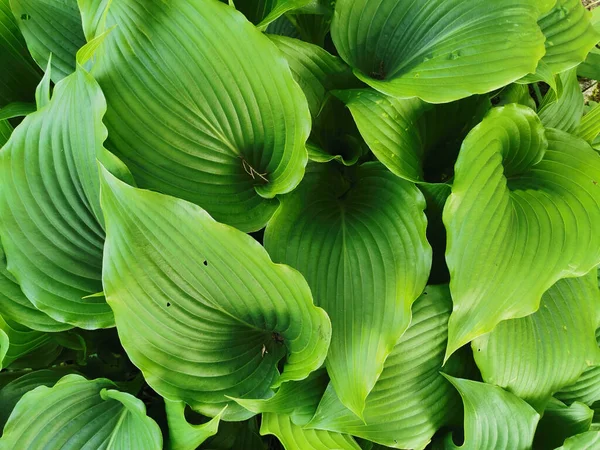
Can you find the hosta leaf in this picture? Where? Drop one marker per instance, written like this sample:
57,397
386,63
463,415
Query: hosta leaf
314,69
283,27
439,50
584,441
412,138
20,74
560,422
358,236
298,400
53,27
23,341
263,12
590,68
555,344
565,112
590,125
411,400
521,216
50,215
236,435
200,307
293,437
13,391
183,435
201,105
80,414
16,109
516,93
494,419
5,131
569,35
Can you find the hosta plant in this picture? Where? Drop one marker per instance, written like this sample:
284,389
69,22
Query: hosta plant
299,224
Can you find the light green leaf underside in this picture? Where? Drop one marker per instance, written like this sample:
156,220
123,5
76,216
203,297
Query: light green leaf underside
537,355
15,306
201,106
590,125
13,391
293,437
183,435
198,304
439,50
494,418
298,400
410,136
358,236
410,400
53,27
263,12
509,241
314,69
565,112
560,422
50,216
23,341
584,441
569,35
79,414
17,83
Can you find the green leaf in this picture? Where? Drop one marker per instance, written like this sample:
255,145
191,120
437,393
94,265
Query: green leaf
561,334
5,131
583,441
23,341
183,435
297,399
589,128
516,93
494,419
16,109
80,414
358,236
204,318
441,50
565,111
412,138
560,422
20,74
53,28
590,68
263,12
201,105
50,220
293,437
410,400
521,216
569,35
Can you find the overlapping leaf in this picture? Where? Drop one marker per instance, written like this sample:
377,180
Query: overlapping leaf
263,12
560,422
565,111
584,441
440,50
522,215
535,356
201,105
182,434
81,414
200,307
23,341
411,399
358,236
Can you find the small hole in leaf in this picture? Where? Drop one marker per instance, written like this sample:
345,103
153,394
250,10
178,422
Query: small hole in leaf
25,17
205,262
168,304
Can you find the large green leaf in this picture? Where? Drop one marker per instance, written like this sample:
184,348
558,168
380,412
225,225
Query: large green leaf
411,400
23,341
414,139
584,441
569,35
19,75
560,422
293,437
555,344
565,112
200,307
50,216
494,419
522,215
201,105
358,236
79,414
438,50
53,27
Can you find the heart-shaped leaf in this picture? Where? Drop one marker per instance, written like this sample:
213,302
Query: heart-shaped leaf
200,307
555,344
82,414
358,236
201,105
522,215
439,50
